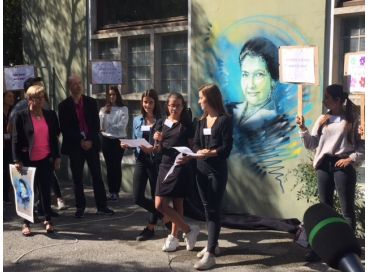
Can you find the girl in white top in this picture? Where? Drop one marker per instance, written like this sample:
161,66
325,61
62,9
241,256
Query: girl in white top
113,122
338,148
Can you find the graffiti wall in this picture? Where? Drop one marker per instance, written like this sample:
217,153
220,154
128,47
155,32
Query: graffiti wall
235,45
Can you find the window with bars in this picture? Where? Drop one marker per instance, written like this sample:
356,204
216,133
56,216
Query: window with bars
353,34
139,64
174,63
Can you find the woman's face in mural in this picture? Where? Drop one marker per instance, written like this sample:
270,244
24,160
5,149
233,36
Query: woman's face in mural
256,80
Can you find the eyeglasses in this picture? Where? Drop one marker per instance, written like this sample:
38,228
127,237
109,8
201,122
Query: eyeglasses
173,106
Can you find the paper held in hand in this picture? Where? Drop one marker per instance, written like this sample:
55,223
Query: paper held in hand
187,151
136,142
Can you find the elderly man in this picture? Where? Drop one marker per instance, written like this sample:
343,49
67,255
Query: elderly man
79,123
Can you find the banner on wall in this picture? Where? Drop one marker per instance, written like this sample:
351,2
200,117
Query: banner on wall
354,66
14,77
106,72
23,190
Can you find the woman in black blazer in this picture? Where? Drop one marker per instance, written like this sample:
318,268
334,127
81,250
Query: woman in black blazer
213,140
35,143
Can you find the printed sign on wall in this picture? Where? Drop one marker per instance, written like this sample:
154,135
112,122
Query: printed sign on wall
106,72
15,76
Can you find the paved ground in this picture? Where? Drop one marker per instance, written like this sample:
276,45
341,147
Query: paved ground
107,243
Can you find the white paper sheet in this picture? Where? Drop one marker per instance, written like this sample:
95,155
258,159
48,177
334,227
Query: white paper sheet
136,142
183,150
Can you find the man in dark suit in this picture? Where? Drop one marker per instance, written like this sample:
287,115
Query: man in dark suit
79,123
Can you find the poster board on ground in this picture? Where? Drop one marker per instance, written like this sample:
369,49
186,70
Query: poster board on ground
23,185
299,64
106,72
15,76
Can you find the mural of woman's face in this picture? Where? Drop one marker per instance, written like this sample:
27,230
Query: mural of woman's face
256,80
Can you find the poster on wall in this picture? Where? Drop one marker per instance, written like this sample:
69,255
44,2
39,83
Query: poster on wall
298,64
15,76
354,67
23,190
106,72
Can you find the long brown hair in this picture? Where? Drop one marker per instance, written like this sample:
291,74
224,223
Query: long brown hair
350,111
119,101
214,99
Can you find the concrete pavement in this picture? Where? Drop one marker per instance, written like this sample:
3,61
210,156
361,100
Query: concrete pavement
107,243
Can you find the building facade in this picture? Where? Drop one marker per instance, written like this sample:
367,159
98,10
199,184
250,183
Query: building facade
180,45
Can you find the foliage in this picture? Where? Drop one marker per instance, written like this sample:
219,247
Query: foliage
13,51
307,189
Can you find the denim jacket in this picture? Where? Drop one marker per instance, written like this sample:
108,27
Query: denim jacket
136,131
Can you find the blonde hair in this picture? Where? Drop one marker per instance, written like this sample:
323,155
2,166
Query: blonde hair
34,91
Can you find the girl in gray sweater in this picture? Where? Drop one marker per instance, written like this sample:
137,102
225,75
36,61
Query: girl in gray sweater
338,148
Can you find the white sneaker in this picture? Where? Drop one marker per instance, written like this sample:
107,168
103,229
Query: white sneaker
191,237
208,261
61,205
171,243
204,250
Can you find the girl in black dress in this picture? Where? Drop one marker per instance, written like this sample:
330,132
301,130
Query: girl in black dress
175,130
213,140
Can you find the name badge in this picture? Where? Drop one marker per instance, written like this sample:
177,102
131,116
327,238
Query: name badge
168,123
145,128
207,131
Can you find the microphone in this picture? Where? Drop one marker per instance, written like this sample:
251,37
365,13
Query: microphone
332,238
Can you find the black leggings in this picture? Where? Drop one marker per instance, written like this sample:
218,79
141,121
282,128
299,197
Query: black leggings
144,170
211,186
343,180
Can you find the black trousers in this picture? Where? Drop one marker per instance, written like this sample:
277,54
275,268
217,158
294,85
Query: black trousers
56,189
211,185
113,154
146,170
77,160
42,182
343,180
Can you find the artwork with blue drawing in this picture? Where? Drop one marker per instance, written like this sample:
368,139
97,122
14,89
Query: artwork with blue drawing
263,108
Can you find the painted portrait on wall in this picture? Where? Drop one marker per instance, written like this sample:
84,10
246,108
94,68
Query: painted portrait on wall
240,53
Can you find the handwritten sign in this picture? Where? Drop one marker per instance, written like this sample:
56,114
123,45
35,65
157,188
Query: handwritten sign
354,66
106,72
298,64
14,77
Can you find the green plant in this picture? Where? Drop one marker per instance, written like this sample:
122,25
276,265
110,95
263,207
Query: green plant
306,186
